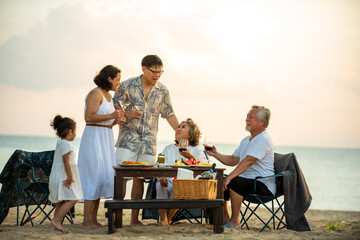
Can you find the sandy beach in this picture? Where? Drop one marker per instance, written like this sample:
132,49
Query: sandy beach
318,221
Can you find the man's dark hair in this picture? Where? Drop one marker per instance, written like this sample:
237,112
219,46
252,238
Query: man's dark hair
151,60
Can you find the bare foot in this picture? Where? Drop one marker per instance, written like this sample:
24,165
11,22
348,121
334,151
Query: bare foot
154,224
136,222
163,223
89,225
99,225
57,226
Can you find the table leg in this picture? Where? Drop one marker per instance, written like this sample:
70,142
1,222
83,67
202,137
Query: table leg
219,225
220,178
119,179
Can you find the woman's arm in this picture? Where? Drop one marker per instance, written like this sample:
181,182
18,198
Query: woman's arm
69,180
93,103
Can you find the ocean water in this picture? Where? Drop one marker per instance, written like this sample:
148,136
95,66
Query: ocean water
332,174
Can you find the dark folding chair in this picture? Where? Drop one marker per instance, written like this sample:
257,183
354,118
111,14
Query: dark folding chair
277,212
31,191
188,214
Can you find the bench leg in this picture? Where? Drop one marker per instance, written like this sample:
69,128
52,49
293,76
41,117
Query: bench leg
110,217
118,218
218,220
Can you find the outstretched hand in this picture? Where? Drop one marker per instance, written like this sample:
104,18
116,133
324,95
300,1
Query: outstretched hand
212,152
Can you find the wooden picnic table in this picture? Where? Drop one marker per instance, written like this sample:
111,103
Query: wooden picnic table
116,206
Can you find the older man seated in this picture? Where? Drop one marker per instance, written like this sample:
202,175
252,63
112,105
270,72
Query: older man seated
254,157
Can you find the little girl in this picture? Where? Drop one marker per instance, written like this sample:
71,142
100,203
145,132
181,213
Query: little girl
64,182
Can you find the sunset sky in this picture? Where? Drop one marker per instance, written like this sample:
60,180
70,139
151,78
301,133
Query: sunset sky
299,58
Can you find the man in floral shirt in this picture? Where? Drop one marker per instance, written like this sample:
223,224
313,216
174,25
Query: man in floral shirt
144,99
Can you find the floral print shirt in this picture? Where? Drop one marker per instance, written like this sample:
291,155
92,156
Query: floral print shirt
140,135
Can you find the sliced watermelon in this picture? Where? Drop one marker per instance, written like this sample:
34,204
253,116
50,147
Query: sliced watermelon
184,162
190,162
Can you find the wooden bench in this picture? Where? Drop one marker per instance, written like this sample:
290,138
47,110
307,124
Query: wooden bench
114,206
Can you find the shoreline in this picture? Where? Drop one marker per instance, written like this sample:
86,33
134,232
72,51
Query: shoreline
318,220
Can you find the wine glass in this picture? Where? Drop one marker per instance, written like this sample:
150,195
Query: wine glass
140,109
183,144
123,104
208,143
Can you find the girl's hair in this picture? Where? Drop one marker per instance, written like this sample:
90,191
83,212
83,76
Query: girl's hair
194,132
62,125
102,79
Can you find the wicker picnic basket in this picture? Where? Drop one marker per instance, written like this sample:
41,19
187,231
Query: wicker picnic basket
194,189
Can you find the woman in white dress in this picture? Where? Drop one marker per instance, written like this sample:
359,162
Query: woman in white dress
64,182
187,130
97,151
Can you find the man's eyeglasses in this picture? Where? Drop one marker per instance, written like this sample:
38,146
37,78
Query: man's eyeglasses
156,72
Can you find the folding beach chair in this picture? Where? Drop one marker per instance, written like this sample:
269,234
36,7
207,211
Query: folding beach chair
188,214
31,191
276,210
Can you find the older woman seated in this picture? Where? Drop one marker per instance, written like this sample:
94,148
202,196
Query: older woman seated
187,130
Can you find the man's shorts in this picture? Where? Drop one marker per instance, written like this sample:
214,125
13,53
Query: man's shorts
123,154
245,186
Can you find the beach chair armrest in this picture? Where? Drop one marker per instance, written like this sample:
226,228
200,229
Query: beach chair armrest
260,177
276,175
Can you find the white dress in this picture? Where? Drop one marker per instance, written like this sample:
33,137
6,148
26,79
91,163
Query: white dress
58,192
97,157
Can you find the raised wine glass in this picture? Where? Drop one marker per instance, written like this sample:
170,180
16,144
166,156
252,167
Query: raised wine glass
183,144
208,143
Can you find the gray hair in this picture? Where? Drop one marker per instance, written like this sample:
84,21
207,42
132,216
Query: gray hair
263,114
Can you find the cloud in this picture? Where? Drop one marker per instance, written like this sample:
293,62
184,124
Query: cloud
219,59
67,47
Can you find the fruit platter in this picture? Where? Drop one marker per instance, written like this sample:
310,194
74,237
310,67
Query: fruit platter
190,163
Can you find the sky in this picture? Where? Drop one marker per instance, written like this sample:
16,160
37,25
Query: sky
301,59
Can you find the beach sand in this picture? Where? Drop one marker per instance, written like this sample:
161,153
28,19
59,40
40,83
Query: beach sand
318,221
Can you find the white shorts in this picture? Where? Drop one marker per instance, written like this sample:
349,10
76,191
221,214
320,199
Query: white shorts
123,154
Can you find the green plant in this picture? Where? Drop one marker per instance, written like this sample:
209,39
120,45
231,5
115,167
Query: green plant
334,225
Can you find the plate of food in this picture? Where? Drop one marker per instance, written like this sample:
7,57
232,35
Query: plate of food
135,164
